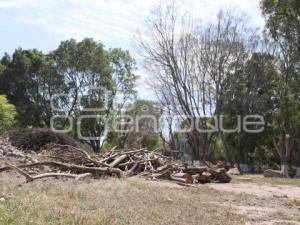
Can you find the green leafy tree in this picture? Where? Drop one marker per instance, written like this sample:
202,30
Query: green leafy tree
94,78
7,113
28,80
250,91
80,71
283,26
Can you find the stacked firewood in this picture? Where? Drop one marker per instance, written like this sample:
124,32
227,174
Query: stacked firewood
56,160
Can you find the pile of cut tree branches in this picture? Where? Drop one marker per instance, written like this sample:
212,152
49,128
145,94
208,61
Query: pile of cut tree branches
68,161
57,159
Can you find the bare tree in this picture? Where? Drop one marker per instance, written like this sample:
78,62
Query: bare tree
223,49
190,63
170,53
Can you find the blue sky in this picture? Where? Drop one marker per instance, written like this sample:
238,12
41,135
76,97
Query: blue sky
42,24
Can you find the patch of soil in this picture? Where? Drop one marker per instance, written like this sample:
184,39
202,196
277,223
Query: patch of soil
278,191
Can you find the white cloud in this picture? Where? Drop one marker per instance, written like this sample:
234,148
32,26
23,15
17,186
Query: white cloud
111,21
13,4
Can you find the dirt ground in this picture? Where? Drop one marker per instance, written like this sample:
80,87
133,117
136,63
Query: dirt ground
138,201
261,190
264,192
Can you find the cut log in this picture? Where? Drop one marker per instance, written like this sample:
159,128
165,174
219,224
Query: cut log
162,168
180,175
284,172
109,157
272,173
220,175
204,178
196,178
187,177
136,161
187,180
118,160
164,174
194,170
234,171
132,169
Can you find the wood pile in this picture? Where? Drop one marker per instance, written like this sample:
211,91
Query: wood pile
75,163
72,161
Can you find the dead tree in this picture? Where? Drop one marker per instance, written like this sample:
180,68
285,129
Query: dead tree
190,63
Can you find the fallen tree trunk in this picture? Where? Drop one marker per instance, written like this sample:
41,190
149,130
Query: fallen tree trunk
273,173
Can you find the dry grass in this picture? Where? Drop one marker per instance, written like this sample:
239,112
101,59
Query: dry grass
112,201
119,201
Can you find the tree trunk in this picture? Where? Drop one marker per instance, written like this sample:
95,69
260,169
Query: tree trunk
298,173
284,171
239,154
284,149
226,150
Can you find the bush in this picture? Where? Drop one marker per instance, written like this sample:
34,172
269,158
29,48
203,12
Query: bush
7,113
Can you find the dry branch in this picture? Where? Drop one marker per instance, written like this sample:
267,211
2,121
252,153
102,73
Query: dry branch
30,178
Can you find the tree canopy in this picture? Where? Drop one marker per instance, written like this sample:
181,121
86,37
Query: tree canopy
74,77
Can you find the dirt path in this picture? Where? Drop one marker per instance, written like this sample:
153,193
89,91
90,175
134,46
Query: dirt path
280,191
270,204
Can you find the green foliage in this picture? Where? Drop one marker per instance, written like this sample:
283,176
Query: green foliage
283,25
87,64
250,91
30,78
151,141
7,113
140,129
282,17
264,156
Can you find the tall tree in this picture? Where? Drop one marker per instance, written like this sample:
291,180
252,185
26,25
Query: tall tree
96,80
283,26
251,91
190,63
